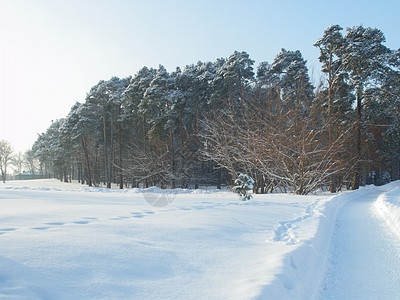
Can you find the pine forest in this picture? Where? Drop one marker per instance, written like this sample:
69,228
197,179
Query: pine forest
210,121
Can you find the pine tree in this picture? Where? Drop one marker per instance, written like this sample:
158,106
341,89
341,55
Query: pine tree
365,61
334,99
236,73
243,184
83,124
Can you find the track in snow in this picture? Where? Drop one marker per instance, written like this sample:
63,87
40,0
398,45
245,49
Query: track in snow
364,256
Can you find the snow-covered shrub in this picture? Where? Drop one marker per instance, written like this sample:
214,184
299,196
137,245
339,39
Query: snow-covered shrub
243,184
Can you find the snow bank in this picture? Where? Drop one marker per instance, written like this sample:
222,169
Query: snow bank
56,185
388,206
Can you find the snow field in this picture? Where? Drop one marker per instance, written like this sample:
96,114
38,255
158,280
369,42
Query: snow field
65,241
61,240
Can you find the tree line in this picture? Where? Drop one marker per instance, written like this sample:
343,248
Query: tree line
18,161
209,122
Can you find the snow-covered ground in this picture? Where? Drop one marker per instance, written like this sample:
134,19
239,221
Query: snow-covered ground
66,241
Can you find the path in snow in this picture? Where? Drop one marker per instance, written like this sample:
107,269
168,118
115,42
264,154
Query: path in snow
365,255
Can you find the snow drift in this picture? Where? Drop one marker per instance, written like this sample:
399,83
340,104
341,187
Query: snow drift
388,206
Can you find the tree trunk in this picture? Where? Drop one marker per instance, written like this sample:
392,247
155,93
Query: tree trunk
197,122
262,184
65,175
332,187
181,127
86,151
172,159
79,173
357,169
219,178
111,161
3,176
121,182
105,146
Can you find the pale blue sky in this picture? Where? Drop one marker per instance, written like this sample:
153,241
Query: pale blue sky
52,52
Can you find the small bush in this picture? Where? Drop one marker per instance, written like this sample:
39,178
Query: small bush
243,184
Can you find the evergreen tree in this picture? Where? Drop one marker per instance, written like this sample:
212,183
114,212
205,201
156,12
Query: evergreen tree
243,184
365,62
236,74
289,75
83,125
334,101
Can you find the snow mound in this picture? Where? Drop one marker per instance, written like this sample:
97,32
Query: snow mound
388,207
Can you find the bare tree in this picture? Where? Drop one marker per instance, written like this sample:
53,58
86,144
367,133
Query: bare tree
6,153
144,167
31,161
18,162
290,150
221,143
